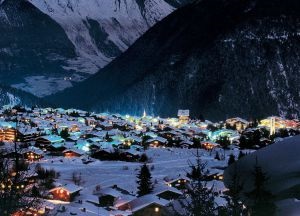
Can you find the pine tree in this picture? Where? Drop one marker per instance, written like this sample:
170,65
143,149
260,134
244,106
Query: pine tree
235,186
260,199
144,181
64,133
231,159
108,138
15,194
223,141
54,131
200,201
144,142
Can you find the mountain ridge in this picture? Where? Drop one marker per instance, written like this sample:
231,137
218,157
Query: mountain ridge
58,43
217,58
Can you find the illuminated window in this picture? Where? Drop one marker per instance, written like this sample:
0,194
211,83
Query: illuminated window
156,209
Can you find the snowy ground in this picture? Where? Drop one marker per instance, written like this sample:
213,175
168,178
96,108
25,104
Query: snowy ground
42,86
166,162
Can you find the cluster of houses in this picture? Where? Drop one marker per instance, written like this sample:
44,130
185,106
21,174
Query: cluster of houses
71,133
87,132
119,201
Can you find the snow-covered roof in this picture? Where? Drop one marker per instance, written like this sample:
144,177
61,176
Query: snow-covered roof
178,178
27,130
184,113
188,142
121,200
159,139
53,138
94,139
33,149
71,188
78,151
158,189
108,191
92,199
4,124
132,151
144,201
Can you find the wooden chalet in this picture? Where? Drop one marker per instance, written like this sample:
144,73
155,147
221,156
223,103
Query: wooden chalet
49,140
179,183
157,142
33,154
70,153
208,145
65,193
166,192
146,205
8,131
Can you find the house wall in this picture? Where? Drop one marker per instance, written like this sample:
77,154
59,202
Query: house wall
61,194
42,142
107,200
71,154
180,184
32,156
150,211
7,134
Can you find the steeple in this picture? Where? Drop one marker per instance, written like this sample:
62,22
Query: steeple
272,126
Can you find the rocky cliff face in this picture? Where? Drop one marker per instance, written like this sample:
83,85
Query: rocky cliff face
47,45
216,58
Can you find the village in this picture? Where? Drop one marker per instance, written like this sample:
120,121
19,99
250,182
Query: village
82,163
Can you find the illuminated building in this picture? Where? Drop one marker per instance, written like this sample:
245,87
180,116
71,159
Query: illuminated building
184,116
65,193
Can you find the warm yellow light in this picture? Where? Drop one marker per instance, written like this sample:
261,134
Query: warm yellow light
156,209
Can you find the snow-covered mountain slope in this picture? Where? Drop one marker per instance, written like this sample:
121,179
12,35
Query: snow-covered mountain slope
217,58
32,46
11,97
280,162
101,29
50,44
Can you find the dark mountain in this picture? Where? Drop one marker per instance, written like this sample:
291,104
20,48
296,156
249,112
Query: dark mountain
33,47
217,58
46,46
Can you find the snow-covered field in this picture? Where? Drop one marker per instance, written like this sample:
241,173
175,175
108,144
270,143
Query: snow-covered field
166,162
42,86
280,161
